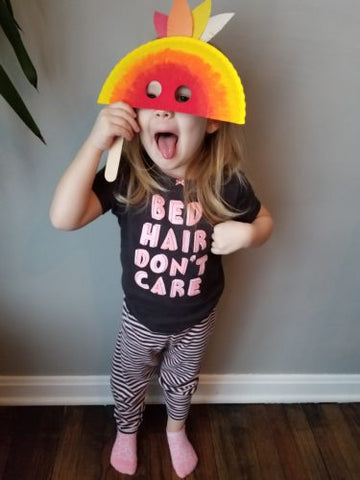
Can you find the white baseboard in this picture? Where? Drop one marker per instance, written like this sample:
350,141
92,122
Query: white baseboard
243,388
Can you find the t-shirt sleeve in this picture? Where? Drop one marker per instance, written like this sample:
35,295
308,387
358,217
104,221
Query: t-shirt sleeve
240,197
104,190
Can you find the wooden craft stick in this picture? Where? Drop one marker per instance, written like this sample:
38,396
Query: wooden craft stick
113,160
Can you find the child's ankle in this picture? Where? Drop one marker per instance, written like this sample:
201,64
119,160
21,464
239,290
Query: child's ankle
124,456
183,456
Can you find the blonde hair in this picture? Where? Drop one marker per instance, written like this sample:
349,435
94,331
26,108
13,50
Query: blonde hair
219,159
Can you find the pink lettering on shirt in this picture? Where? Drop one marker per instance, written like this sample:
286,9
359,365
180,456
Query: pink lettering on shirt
159,287
177,288
170,242
150,234
199,240
194,287
201,262
157,207
176,267
142,257
159,263
185,241
193,213
139,277
166,273
175,212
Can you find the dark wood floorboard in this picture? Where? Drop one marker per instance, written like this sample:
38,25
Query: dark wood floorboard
233,442
284,440
306,443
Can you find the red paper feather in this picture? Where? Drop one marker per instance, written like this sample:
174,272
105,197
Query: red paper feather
160,23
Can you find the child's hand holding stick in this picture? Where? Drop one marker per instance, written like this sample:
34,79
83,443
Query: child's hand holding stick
114,123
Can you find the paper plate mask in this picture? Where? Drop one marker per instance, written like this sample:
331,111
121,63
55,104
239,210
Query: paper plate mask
179,71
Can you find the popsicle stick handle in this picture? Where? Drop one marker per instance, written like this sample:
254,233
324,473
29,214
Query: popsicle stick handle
113,160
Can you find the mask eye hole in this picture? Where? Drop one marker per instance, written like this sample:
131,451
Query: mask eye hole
182,94
154,89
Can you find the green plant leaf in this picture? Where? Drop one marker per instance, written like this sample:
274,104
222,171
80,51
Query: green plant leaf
10,94
9,6
10,28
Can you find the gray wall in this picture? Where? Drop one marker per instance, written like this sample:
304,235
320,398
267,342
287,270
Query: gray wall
291,306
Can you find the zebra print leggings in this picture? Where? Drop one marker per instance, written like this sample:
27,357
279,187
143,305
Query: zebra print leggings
139,353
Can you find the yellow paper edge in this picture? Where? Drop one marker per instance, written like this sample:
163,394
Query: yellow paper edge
201,15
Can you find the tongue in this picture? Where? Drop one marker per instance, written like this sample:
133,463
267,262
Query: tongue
167,145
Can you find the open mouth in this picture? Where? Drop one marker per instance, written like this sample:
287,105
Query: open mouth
166,142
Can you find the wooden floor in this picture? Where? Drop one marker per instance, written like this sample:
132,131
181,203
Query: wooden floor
234,442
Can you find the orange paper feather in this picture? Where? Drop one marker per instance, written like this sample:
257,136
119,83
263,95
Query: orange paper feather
180,22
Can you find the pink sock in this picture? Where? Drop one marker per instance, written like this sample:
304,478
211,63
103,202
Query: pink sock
123,455
183,456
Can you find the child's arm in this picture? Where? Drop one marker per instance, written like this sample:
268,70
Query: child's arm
232,235
75,204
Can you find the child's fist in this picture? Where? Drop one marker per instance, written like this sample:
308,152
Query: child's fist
115,120
230,236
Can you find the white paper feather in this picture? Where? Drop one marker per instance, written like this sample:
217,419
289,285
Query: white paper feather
215,25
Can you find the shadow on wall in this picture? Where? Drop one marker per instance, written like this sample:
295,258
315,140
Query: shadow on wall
61,303
271,96
19,352
232,339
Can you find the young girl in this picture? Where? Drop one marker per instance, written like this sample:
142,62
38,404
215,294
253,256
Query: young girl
182,202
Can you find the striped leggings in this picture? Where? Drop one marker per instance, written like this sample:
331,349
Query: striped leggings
139,353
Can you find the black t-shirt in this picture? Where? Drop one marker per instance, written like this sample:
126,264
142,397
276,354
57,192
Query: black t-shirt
170,279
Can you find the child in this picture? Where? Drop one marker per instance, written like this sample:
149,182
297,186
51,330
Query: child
171,251
182,202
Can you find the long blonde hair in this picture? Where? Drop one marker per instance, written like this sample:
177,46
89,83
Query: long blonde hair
219,159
